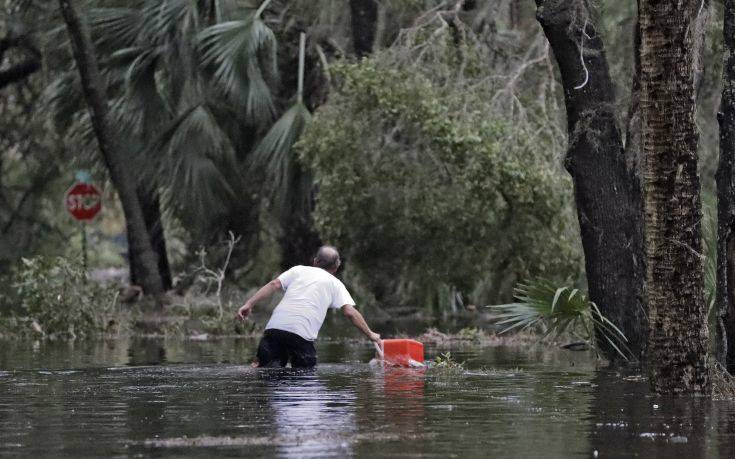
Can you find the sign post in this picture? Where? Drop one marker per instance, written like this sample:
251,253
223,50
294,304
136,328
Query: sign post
83,201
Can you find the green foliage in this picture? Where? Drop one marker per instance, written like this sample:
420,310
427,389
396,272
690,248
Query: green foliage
709,239
446,363
559,310
56,299
234,49
191,89
274,152
421,191
470,334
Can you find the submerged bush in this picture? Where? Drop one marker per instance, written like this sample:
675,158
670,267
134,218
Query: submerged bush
424,187
55,298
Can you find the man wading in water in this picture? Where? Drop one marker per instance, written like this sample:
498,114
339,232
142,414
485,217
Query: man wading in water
295,323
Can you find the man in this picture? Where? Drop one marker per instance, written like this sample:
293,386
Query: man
295,323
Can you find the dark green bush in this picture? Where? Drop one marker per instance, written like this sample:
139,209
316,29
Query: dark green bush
421,193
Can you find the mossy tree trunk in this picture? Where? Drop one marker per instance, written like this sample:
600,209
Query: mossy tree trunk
674,281
725,347
606,189
122,176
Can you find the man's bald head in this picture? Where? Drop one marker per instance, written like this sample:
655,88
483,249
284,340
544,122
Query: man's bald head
327,258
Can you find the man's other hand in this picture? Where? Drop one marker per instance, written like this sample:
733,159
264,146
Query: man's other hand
244,311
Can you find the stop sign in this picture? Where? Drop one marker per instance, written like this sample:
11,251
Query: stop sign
83,201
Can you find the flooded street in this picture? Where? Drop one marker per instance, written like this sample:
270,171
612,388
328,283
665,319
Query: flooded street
200,398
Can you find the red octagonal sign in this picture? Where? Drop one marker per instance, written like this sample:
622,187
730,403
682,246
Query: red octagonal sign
83,201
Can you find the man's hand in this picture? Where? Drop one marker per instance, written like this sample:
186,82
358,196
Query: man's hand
375,338
244,311
265,291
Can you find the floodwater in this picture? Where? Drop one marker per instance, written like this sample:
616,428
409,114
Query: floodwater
154,397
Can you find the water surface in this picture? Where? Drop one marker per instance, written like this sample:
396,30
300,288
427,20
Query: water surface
200,398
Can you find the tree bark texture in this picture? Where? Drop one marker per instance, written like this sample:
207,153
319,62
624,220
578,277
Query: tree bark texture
725,299
607,193
364,16
150,203
122,178
677,347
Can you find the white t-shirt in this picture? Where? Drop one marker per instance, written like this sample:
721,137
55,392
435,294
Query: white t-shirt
310,291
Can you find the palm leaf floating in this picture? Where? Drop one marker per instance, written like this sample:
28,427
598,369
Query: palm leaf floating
559,310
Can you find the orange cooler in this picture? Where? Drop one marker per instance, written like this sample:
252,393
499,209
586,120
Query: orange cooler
399,351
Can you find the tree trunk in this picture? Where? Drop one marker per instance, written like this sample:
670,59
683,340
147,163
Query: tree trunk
150,204
364,15
674,286
607,193
95,94
725,347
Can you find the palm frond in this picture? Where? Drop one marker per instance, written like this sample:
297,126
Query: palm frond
709,236
233,51
198,163
560,310
273,154
167,19
116,28
63,98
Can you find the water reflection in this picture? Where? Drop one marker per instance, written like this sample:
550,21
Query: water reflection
404,396
626,420
311,416
182,398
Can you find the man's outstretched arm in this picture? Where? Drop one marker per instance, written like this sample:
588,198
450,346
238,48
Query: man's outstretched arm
264,292
359,321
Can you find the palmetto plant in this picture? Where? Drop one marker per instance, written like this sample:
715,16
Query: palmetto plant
559,310
273,153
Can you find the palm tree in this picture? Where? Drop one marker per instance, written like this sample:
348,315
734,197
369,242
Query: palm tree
193,86
287,181
109,144
726,200
193,91
674,281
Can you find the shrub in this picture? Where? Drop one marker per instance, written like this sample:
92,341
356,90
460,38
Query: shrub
55,295
422,194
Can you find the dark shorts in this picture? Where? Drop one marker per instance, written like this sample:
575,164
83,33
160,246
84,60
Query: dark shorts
277,347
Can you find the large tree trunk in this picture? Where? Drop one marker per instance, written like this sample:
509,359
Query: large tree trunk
150,203
725,348
607,193
95,93
677,348
364,15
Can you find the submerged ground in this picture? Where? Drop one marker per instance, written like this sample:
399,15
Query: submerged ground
185,397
